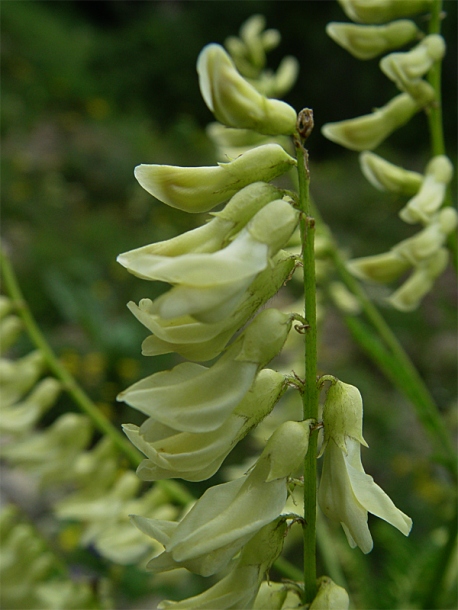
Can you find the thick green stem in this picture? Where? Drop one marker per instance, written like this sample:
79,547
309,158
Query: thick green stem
310,394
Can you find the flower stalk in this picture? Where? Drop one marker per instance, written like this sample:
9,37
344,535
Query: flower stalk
310,394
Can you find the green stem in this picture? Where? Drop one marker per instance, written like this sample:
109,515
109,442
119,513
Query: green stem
177,492
310,394
434,113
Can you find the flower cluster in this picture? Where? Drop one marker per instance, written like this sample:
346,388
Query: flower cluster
378,32
57,457
424,254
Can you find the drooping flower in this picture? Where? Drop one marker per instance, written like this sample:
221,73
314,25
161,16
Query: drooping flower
368,131
346,493
210,285
235,102
239,588
381,11
199,189
197,456
369,41
200,341
195,398
228,515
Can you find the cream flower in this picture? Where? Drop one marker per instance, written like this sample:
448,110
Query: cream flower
197,456
346,493
195,398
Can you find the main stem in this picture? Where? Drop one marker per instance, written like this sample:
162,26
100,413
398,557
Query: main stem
310,395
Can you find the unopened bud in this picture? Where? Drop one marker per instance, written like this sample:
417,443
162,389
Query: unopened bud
264,337
369,41
386,176
368,131
381,11
234,101
286,449
274,224
330,596
199,189
343,414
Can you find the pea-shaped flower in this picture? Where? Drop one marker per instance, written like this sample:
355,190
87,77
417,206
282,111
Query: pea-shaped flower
235,102
195,398
200,341
368,131
223,520
239,588
197,456
386,176
369,41
346,493
209,286
199,189
381,11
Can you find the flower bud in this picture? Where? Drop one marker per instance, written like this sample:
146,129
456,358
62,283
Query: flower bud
368,131
343,415
235,102
272,595
367,42
286,449
330,596
385,267
386,176
264,337
199,189
274,224
381,11
409,295
430,197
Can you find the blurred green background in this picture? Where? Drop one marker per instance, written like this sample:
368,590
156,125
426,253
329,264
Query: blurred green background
92,89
